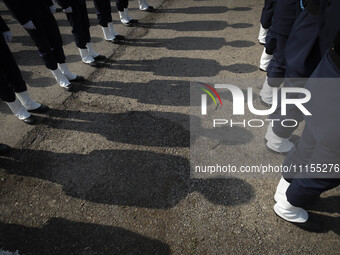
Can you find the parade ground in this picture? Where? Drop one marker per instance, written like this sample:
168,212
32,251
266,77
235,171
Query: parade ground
107,169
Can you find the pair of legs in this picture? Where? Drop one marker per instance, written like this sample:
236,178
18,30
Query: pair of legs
301,55
103,8
78,19
48,40
319,144
13,88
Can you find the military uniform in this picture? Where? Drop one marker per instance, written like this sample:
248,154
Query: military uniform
38,20
13,86
76,12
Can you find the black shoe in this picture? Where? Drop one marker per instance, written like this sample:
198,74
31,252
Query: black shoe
78,79
120,37
149,9
117,41
71,88
31,120
41,109
100,58
4,149
131,23
93,64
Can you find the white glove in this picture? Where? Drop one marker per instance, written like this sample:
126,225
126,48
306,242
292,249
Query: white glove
68,10
53,9
29,25
8,36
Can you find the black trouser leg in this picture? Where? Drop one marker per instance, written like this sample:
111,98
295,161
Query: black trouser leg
122,4
79,21
103,8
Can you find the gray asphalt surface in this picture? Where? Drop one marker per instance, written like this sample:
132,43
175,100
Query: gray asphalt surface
106,171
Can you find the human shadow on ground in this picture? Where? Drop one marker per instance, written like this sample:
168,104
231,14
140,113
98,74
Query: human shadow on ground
149,128
204,10
181,67
61,236
187,26
189,43
157,92
125,177
31,58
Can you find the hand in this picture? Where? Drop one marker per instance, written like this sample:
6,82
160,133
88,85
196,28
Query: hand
68,10
53,9
8,36
29,25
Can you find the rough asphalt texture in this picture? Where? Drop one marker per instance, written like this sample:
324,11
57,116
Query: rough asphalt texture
107,169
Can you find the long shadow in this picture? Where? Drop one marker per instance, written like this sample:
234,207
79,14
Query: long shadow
31,58
181,67
125,177
26,40
60,236
189,43
204,25
204,10
158,129
157,92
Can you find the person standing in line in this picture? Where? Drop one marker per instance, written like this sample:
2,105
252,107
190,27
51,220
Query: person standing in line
122,6
302,56
38,20
320,140
103,8
76,12
13,89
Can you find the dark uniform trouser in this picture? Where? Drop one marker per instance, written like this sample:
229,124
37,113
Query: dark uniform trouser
319,142
103,8
48,40
267,13
122,4
10,76
277,66
80,23
302,55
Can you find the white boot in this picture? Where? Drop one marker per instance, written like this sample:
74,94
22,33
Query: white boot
108,34
276,143
143,5
68,74
266,93
27,101
281,189
60,78
110,26
262,35
265,59
18,110
85,56
124,18
91,51
289,212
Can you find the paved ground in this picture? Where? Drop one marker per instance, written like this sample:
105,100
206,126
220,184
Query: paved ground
107,170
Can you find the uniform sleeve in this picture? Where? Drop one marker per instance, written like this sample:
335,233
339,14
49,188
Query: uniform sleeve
19,11
64,3
3,26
